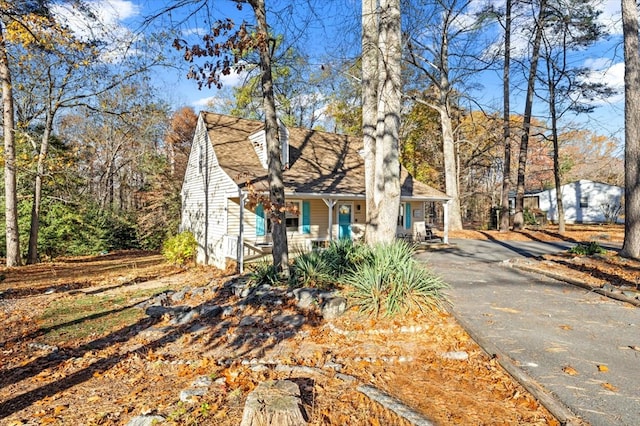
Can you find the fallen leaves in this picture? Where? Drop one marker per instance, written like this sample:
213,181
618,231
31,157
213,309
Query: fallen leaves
609,387
570,370
603,368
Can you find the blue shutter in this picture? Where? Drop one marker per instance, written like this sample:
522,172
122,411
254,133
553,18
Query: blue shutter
407,216
306,217
260,231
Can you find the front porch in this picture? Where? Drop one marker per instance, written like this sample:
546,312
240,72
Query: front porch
320,220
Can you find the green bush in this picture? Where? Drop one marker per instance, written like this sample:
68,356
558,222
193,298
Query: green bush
587,249
323,268
180,249
311,269
389,281
263,272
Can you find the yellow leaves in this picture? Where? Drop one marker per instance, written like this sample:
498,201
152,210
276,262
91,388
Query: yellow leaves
94,398
566,327
609,387
570,370
58,409
603,368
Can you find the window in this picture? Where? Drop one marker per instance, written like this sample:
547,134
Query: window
584,201
292,220
200,159
401,216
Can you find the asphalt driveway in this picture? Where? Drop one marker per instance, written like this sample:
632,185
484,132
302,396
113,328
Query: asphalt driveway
582,348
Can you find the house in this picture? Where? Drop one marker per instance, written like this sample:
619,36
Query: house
584,201
323,177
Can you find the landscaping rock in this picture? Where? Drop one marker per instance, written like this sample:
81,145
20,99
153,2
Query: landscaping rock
334,307
456,355
179,295
156,311
145,420
249,320
210,311
290,320
305,297
202,382
185,318
198,291
188,395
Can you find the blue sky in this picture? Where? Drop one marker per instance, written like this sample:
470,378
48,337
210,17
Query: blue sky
125,16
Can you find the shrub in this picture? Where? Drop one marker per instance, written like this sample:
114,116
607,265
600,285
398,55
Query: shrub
588,249
311,269
264,272
323,268
389,281
180,249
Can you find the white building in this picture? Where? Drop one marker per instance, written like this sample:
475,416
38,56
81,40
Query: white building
584,201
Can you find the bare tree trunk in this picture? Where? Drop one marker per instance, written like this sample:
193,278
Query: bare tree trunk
11,194
556,149
450,170
370,111
631,246
506,121
32,252
387,174
518,218
274,150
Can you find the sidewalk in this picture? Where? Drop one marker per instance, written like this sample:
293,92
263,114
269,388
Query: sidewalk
577,351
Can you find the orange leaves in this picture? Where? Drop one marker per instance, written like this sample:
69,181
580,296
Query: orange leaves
570,370
609,387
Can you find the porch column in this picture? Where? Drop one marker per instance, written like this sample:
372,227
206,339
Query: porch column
330,203
240,255
445,236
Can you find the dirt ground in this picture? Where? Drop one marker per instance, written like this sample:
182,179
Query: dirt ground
75,349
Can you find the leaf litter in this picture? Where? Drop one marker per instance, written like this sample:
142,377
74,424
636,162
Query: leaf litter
110,376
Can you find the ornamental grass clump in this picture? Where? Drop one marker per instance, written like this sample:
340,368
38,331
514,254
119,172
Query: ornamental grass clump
390,281
311,269
264,272
323,268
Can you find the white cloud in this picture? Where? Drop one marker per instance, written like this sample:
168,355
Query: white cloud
608,74
611,16
107,25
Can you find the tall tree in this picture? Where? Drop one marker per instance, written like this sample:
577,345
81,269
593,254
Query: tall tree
518,218
570,25
241,40
506,120
382,89
443,47
8,126
631,245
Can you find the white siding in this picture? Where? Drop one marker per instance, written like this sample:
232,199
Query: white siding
599,198
202,186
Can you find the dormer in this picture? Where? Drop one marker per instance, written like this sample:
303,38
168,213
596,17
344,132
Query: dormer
259,142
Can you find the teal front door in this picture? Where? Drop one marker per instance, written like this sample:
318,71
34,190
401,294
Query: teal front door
344,221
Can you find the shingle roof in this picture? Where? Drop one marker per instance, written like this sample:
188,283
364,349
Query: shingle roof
319,162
